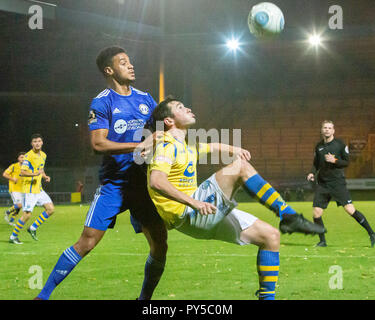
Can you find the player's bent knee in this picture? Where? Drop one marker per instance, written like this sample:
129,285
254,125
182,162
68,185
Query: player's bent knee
247,169
50,209
272,241
317,212
26,216
350,209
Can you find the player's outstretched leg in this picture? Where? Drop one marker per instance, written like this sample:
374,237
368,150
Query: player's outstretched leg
258,188
69,259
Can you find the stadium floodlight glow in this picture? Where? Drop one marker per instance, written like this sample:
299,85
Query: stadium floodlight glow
233,44
315,40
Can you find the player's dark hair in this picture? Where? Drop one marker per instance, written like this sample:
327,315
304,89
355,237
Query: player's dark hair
36,136
162,111
104,58
21,154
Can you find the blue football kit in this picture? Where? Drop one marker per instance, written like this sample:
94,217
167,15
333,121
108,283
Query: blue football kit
123,183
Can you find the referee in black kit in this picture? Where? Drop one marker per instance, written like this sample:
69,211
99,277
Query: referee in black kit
331,157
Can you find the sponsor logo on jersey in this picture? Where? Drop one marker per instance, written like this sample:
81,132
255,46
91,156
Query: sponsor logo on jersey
120,126
144,108
189,171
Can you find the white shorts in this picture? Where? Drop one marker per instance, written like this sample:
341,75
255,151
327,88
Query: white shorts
225,225
17,197
35,199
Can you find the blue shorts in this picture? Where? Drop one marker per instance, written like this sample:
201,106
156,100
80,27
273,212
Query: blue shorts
113,198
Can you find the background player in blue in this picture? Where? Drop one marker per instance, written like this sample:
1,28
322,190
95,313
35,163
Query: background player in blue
116,121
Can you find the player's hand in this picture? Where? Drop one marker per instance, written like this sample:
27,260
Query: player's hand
47,178
330,158
310,177
242,153
147,146
15,180
204,208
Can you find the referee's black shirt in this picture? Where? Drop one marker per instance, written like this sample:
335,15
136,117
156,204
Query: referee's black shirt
330,172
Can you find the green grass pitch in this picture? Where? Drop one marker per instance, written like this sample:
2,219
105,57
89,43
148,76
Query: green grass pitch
195,269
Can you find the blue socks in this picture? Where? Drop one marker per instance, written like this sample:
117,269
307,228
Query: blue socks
68,260
268,265
153,272
257,187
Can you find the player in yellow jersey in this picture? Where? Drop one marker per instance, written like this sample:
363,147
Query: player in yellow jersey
12,173
208,211
32,170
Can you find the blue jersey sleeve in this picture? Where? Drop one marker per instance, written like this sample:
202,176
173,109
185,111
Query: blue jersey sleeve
98,116
152,102
152,105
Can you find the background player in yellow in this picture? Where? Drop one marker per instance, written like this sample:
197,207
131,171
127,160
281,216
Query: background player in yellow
32,170
12,173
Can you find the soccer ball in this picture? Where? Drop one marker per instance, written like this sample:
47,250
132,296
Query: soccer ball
265,20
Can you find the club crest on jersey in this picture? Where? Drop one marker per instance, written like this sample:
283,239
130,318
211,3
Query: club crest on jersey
144,109
120,126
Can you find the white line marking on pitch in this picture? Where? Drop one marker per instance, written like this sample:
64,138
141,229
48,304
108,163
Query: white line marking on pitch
199,254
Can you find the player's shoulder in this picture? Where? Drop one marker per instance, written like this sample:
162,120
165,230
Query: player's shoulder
340,142
16,165
28,154
101,101
11,166
167,141
140,92
320,143
146,96
43,154
103,94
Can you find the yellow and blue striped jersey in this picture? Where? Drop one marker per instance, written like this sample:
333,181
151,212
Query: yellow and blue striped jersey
14,171
33,162
179,161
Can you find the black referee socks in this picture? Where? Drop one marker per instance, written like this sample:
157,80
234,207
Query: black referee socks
361,219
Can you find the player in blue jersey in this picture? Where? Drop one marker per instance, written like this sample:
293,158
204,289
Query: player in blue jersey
116,121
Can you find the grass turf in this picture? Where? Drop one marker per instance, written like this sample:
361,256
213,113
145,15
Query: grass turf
196,269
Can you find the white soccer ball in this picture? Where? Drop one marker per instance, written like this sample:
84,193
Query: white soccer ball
265,20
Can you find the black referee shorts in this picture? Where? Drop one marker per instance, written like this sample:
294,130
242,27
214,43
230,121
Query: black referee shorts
338,193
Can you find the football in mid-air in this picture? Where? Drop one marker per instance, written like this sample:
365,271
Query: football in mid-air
265,20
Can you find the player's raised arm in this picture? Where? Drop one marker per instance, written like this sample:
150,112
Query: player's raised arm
160,183
232,150
101,144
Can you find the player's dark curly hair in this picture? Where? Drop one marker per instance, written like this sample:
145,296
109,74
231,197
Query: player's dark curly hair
36,136
162,111
104,58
